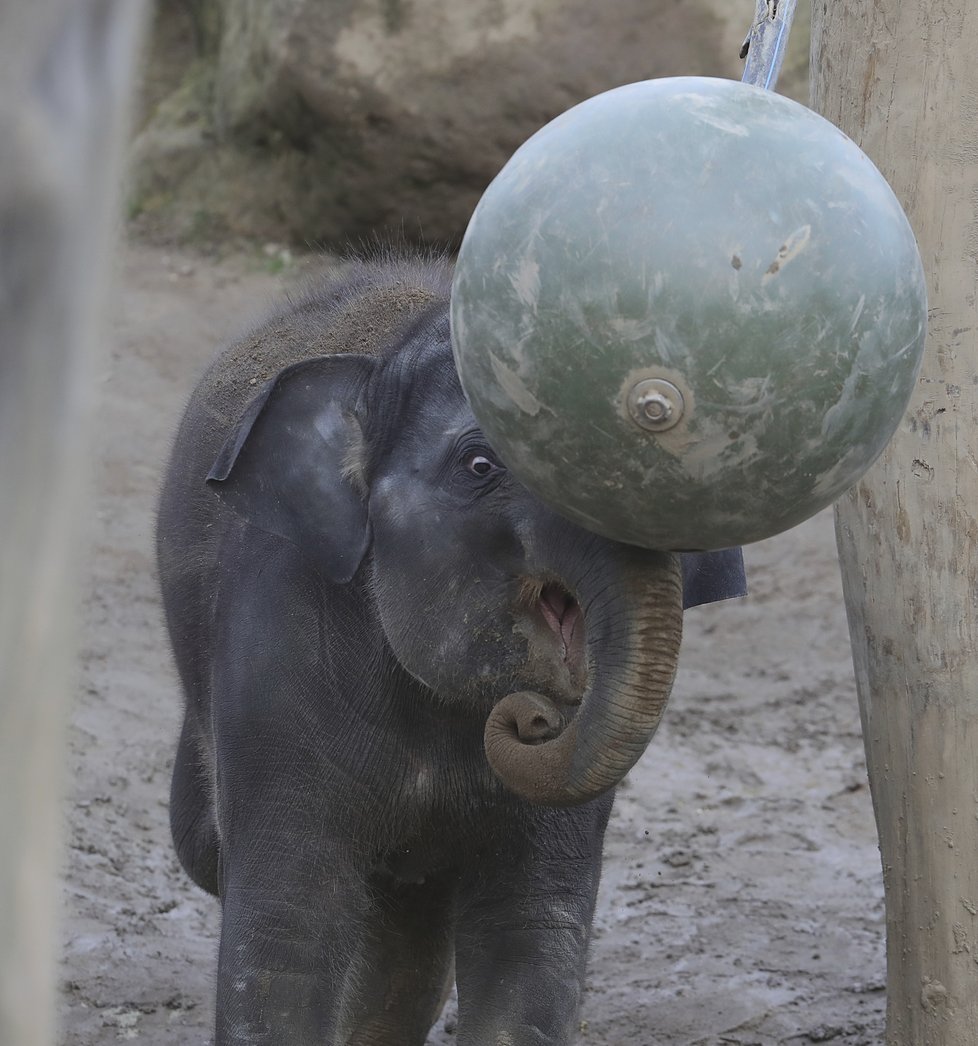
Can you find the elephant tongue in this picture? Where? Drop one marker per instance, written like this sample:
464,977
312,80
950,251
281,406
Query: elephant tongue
563,614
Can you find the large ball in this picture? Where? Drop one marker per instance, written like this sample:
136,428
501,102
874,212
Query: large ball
688,313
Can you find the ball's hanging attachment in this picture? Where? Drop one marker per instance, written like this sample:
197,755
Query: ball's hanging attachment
767,41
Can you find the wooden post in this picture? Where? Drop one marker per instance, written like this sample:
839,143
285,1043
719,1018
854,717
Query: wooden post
901,78
65,72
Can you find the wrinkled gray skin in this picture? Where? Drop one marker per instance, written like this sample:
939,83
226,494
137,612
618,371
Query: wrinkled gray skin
352,581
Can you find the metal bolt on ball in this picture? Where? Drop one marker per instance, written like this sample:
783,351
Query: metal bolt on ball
655,404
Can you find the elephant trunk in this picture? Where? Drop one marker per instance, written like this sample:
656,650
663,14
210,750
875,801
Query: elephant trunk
634,629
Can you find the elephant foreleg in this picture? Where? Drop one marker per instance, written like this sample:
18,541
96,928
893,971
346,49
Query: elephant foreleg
523,932
404,971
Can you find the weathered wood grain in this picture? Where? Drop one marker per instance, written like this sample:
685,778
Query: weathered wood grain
901,79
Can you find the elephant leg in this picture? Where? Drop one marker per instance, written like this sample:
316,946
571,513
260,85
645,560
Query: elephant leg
294,897
192,823
404,972
522,937
290,936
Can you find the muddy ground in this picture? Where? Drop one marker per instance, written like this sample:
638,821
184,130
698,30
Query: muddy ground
742,897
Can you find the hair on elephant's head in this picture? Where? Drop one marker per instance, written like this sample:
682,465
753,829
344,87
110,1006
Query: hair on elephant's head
375,467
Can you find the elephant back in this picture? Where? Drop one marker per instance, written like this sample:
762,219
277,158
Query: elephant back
363,310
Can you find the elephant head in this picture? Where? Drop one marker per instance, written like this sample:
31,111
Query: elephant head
564,643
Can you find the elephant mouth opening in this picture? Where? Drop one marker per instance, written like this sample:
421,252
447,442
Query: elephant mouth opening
560,625
563,614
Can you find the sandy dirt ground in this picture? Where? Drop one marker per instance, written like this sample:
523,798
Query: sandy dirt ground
742,899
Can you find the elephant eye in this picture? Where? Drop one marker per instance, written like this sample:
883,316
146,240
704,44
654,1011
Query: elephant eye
481,466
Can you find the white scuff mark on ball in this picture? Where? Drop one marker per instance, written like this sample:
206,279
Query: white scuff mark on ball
727,126
526,283
788,251
514,387
704,108
630,330
857,313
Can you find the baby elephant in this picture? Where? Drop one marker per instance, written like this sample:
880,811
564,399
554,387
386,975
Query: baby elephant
410,686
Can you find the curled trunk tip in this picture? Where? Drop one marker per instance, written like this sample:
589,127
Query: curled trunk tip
620,712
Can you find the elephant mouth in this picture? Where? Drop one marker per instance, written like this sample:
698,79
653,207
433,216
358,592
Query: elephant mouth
563,614
560,627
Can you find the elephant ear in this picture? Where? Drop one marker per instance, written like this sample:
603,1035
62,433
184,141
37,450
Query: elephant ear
711,576
282,468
